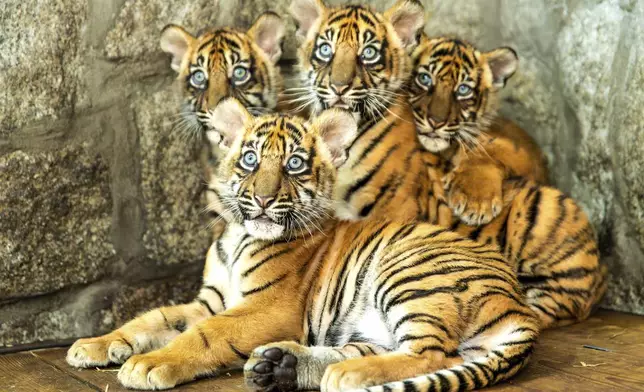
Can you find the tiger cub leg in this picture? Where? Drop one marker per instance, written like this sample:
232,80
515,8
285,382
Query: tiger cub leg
423,348
147,332
494,346
222,341
555,250
291,366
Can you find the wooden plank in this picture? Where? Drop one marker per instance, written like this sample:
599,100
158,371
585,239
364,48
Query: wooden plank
102,378
608,368
24,372
556,365
539,378
616,332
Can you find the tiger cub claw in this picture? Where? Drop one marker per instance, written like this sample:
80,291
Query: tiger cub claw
271,369
474,202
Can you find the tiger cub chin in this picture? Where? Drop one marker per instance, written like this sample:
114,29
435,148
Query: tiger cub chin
220,63
453,92
311,302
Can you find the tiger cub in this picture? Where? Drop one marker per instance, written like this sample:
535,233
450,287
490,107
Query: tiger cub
453,92
438,307
355,58
389,174
541,231
221,63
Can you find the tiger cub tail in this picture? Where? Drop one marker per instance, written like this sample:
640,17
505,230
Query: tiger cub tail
511,351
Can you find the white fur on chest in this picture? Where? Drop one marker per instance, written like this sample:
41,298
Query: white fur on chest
222,274
373,328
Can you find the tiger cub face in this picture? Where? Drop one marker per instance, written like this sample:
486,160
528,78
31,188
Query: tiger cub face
226,63
453,90
353,57
278,173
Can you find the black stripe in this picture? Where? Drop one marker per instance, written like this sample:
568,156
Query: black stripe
128,343
264,287
374,143
204,339
264,261
165,320
365,179
205,303
478,384
240,354
409,386
446,385
462,381
219,294
497,319
533,213
407,338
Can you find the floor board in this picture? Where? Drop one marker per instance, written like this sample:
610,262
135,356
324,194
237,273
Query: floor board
604,353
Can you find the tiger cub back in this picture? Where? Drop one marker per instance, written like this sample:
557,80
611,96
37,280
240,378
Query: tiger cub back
454,93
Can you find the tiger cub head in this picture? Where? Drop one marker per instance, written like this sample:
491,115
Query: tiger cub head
353,57
454,89
226,63
278,173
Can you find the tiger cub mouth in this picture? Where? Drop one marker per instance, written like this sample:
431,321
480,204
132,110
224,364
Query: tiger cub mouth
264,228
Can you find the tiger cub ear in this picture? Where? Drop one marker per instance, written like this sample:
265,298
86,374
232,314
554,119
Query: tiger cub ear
176,41
503,63
268,32
338,130
228,121
408,19
306,13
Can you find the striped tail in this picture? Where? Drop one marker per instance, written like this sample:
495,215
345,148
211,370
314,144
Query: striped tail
499,364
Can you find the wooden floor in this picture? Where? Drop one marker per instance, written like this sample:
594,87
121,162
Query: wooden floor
606,353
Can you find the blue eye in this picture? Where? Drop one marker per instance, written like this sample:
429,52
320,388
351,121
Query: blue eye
198,79
240,74
464,89
249,160
295,163
369,53
325,51
424,79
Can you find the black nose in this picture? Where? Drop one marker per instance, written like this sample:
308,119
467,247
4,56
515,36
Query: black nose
264,201
339,89
436,121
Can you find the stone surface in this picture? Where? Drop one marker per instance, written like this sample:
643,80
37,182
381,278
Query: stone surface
40,60
91,311
138,24
54,221
171,183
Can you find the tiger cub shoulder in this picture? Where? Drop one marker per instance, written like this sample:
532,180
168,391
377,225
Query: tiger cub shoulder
454,94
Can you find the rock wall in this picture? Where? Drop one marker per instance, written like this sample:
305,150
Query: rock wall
100,201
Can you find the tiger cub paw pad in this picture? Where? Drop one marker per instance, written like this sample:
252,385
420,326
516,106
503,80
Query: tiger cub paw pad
271,369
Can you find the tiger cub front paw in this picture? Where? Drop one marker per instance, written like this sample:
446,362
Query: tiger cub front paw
156,370
273,366
475,200
100,351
